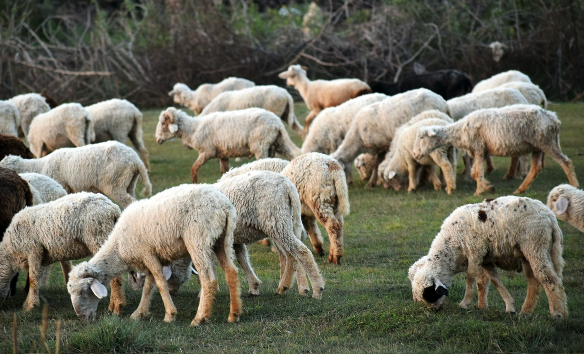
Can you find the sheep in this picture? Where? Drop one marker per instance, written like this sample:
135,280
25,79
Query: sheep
374,126
111,168
9,118
321,94
446,83
11,145
500,79
496,233
399,163
329,128
271,98
567,203
252,131
323,193
67,125
497,49
509,131
198,99
532,93
119,120
44,189
365,164
72,227
29,105
187,220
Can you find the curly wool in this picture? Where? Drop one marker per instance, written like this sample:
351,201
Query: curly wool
567,203
492,98
29,105
9,118
500,79
532,93
44,189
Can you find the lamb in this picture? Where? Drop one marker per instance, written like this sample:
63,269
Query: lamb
323,193
321,94
111,168
271,98
119,120
252,131
11,145
374,126
198,99
187,220
532,93
496,232
509,131
71,227
44,189
29,105
567,203
67,125
9,118
446,83
500,79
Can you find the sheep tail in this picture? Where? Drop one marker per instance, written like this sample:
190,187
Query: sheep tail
557,247
296,211
144,174
229,231
342,191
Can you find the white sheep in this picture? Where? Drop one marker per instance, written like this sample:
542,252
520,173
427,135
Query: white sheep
242,133
72,227
509,131
532,93
497,49
29,105
111,168
271,98
496,233
188,220
119,120
44,189
198,99
321,94
374,126
567,203
64,126
9,118
365,164
500,79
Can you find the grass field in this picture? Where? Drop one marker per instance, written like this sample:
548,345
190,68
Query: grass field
367,303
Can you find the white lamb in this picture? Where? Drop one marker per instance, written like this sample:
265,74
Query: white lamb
72,227
271,98
374,126
496,232
242,133
500,79
29,105
321,94
567,203
119,120
110,168
67,125
44,189
9,118
188,220
509,131
532,93
198,99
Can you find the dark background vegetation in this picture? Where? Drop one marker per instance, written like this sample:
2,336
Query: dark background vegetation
88,51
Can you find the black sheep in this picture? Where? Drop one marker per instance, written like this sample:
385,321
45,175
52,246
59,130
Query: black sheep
446,83
11,145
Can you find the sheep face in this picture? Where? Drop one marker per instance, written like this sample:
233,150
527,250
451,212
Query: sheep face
179,93
364,163
412,273
425,142
85,291
426,287
293,74
166,127
395,180
559,200
11,162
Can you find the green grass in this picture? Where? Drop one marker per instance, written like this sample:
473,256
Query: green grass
367,303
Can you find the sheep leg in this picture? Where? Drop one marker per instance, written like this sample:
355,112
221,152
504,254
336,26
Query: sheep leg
198,163
472,272
232,281
373,180
412,174
434,178
224,163
307,122
556,154
77,140
136,139
117,297
552,284
348,168
334,228
309,223
302,279
287,269
490,166
35,270
493,274
204,264
522,166
478,173
447,171
304,257
66,269
534,171
243,258
155,269
483,289
468,163
512,168
119,195
533,288
144,306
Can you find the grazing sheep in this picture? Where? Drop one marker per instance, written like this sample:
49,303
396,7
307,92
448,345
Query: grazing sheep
268,205
29,105
11,145
242,133
72,227
111,168
321,94
567,203
509,131
492,98
365,164
188,220
323,193
67,125
496,233
446,83
532,93
9,118
44,189
271,98
500,79
374,126
198,99
119,120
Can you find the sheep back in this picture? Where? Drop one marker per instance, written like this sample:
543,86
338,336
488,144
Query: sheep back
492,98
29,105
11,145
44,188
16,195
500,79
9,118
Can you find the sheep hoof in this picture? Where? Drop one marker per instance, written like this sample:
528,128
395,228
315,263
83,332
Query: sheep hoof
319,251
305,291
334,259
197,321
137,316
281,290
233,317
465,305
168,318
253,293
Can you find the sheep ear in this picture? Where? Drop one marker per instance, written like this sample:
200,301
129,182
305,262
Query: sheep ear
173,128
360,164
391,174
283,75
194,271
561,205
304,67
171,93
431,133
441,289
167,272
98,289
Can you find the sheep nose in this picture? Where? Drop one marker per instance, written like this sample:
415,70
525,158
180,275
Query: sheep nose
159,141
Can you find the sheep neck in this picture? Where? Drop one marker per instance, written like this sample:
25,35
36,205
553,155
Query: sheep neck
31,165
445,258
110,263
186,129
302,85
452,134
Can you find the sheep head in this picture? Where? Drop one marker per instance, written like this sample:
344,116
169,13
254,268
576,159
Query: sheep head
11,162
85,290
393,179
364,164
167,127
426,287
426,141
293,74
559,200
180,93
